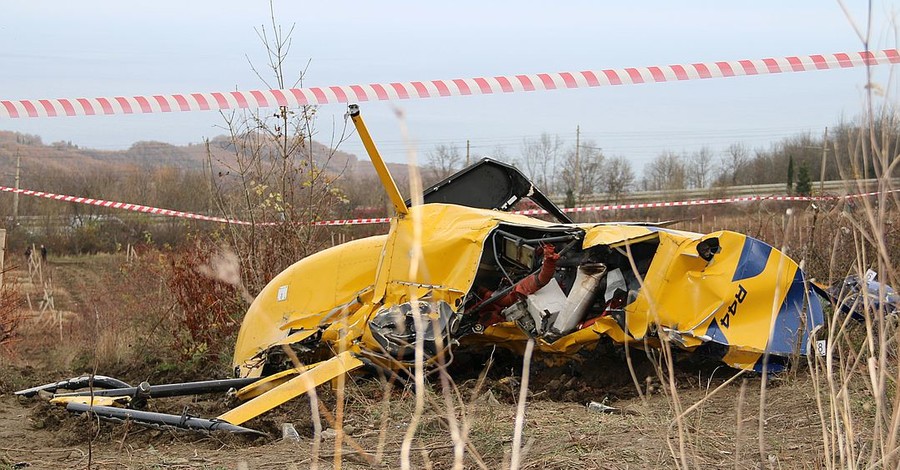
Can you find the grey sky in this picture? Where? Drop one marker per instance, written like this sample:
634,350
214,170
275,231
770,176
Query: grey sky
55,49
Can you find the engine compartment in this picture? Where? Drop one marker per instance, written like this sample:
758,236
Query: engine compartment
584,285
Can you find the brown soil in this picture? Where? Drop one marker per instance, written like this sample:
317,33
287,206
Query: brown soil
557,434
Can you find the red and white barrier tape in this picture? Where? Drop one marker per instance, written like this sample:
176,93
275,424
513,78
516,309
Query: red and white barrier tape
380,220
699,202
121,205
376,220
295,97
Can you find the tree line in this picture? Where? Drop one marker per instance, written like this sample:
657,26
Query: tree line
249,177
561,168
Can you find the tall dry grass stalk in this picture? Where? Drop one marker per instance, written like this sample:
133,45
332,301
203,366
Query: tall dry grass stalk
856,382
419,322
666,373
456,426
764,382
516,455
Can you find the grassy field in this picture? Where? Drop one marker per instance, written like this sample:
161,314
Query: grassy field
119,317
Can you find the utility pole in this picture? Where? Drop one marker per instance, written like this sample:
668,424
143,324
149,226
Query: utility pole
209,181
467,152
578,161
824,155
16,194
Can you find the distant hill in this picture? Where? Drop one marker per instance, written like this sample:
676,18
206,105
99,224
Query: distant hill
64,157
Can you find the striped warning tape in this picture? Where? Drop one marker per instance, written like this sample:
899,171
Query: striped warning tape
121,205
295,97
380,220
376,220
700,202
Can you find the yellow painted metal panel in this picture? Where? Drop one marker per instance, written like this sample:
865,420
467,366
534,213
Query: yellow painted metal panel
321,373
380,167
683,293
306,292
614,235
449,242
269,382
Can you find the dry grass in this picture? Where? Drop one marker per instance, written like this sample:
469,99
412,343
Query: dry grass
10,315
838,412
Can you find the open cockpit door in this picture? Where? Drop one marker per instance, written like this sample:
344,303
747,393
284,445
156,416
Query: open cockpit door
489,184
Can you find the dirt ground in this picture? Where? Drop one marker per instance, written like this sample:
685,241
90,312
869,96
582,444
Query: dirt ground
558,434
724,430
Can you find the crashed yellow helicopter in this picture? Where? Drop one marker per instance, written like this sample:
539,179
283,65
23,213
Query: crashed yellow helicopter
460,269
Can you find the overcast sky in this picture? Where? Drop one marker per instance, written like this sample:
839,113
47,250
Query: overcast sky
53,49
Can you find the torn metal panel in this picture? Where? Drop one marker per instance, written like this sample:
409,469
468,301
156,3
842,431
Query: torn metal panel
854,295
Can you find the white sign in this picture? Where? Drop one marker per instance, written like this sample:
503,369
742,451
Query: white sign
822,347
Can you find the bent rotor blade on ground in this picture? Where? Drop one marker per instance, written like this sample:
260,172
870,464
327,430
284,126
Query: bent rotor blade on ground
148,418
99,381
303,383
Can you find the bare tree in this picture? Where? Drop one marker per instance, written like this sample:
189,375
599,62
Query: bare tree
444,160
618,177
736,160
529,159
582,172
699,168
539,158
500,154
273,173
664,173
